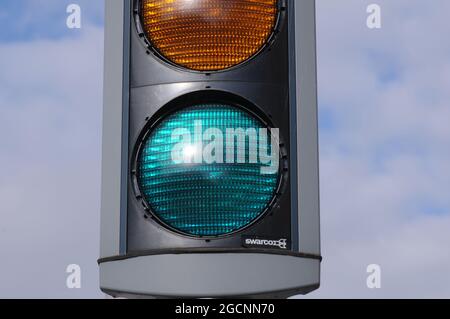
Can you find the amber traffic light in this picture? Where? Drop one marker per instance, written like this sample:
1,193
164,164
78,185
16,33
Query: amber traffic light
208,35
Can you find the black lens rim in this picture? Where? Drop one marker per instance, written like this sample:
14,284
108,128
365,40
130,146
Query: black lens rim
185,101
151,49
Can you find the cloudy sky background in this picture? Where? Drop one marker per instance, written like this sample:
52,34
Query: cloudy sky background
385,147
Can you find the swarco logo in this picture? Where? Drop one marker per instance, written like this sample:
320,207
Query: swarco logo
280,243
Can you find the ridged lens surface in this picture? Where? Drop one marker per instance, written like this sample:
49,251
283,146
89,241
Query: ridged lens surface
203,199
208,35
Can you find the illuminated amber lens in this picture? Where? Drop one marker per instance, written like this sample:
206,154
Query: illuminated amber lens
208,35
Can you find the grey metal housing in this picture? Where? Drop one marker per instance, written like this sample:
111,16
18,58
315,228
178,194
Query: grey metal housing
218,273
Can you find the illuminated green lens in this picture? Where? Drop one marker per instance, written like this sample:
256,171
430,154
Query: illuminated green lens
201,199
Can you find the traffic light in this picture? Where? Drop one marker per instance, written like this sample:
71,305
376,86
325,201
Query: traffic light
210,184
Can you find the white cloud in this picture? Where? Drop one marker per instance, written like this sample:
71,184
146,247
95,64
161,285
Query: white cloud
385,165
50,178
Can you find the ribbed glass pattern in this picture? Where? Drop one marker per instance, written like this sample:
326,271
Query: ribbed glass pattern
204,199
208,35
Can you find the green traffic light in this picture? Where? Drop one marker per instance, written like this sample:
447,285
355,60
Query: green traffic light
199,185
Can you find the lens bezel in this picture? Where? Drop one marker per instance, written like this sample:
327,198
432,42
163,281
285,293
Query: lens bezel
186,101
151,49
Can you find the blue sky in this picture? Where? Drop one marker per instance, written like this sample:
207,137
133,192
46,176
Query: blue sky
385,147
29,20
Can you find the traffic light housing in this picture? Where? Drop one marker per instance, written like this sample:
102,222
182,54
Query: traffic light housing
224,227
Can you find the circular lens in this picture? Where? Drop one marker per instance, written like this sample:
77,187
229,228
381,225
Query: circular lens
199,170
208,35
